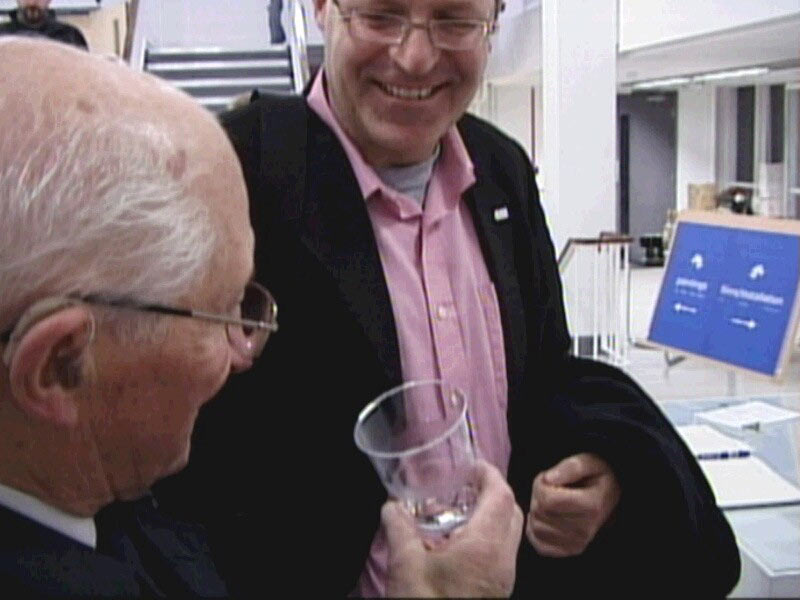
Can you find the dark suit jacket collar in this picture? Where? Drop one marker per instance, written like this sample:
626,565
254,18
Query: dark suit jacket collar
498,223
37,560
335,225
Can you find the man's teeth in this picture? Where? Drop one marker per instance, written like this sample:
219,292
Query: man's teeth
408,93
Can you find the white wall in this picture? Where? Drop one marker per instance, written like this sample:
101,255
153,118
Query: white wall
511,111
696,121
315,37
516,49
240,25
103,29
577,157
649,22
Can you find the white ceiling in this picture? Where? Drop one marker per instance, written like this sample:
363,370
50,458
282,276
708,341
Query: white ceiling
516,56
774,43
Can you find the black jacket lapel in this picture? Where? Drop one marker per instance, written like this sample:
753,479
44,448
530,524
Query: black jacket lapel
336,228
492,213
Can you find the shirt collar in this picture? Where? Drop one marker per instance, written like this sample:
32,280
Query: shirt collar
454,155
80,529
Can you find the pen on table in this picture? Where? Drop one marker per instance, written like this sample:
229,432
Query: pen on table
723,455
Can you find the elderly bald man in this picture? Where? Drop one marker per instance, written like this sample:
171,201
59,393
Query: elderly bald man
125,303
119,199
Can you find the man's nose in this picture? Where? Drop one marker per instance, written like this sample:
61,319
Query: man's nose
416,53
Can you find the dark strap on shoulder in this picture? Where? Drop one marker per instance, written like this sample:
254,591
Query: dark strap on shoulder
284,126
270,137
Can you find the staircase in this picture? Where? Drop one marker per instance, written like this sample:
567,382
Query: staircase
215,76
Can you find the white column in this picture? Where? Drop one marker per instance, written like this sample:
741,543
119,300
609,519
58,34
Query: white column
696,154
579,77
512,111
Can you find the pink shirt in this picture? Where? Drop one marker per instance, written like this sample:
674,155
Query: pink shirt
444,303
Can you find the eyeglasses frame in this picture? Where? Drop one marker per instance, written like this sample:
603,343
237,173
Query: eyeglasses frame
489,26
164,309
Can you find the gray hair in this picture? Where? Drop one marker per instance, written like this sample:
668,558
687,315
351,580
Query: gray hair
93,206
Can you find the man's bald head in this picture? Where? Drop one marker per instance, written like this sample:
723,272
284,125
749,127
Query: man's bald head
105,171
111,184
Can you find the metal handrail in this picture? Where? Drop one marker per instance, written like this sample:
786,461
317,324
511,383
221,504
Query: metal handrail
298,46
608,320
139,54
133,15
604,240
136,45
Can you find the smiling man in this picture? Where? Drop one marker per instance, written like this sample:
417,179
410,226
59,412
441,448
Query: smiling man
395,101
407,241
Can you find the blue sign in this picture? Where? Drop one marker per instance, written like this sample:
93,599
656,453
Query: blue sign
729,294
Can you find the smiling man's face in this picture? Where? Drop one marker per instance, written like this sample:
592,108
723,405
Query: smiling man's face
397,101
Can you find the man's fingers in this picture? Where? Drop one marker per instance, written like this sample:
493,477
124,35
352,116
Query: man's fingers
496,500
487,476
575,468
561,501
400,528
570,527
545,540
517,521
547,537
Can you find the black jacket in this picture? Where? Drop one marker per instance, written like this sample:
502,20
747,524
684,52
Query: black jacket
49,28
274,461
141,554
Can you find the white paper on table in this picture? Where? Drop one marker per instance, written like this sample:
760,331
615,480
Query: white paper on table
747,415
773,536
705,442
742,482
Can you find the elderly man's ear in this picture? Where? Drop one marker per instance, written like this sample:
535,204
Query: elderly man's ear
50,364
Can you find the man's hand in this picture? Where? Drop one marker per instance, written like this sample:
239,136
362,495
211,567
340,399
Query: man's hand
570,503
477,559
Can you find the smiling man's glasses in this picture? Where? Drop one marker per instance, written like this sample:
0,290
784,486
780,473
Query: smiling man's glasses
392,29
248,331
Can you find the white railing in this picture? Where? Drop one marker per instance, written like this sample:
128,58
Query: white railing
597,294
136,44
298,45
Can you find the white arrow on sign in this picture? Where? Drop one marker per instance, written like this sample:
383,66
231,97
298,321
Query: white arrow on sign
749,323
697,261
757,271
684,308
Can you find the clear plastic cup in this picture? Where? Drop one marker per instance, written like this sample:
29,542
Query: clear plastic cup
419,439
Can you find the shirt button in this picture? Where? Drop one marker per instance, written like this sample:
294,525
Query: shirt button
441,311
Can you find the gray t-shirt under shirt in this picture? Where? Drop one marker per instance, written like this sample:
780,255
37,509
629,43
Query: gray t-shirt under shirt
411,180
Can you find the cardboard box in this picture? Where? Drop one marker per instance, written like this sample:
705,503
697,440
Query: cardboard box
702,196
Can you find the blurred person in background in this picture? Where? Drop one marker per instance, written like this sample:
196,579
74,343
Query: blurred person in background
34,18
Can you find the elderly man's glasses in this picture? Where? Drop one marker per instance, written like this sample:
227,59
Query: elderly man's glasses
392,29
248,331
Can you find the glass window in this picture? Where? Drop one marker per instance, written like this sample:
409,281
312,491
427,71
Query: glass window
793,151
775,144
745,124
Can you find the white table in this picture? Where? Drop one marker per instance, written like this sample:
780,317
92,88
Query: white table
768,537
